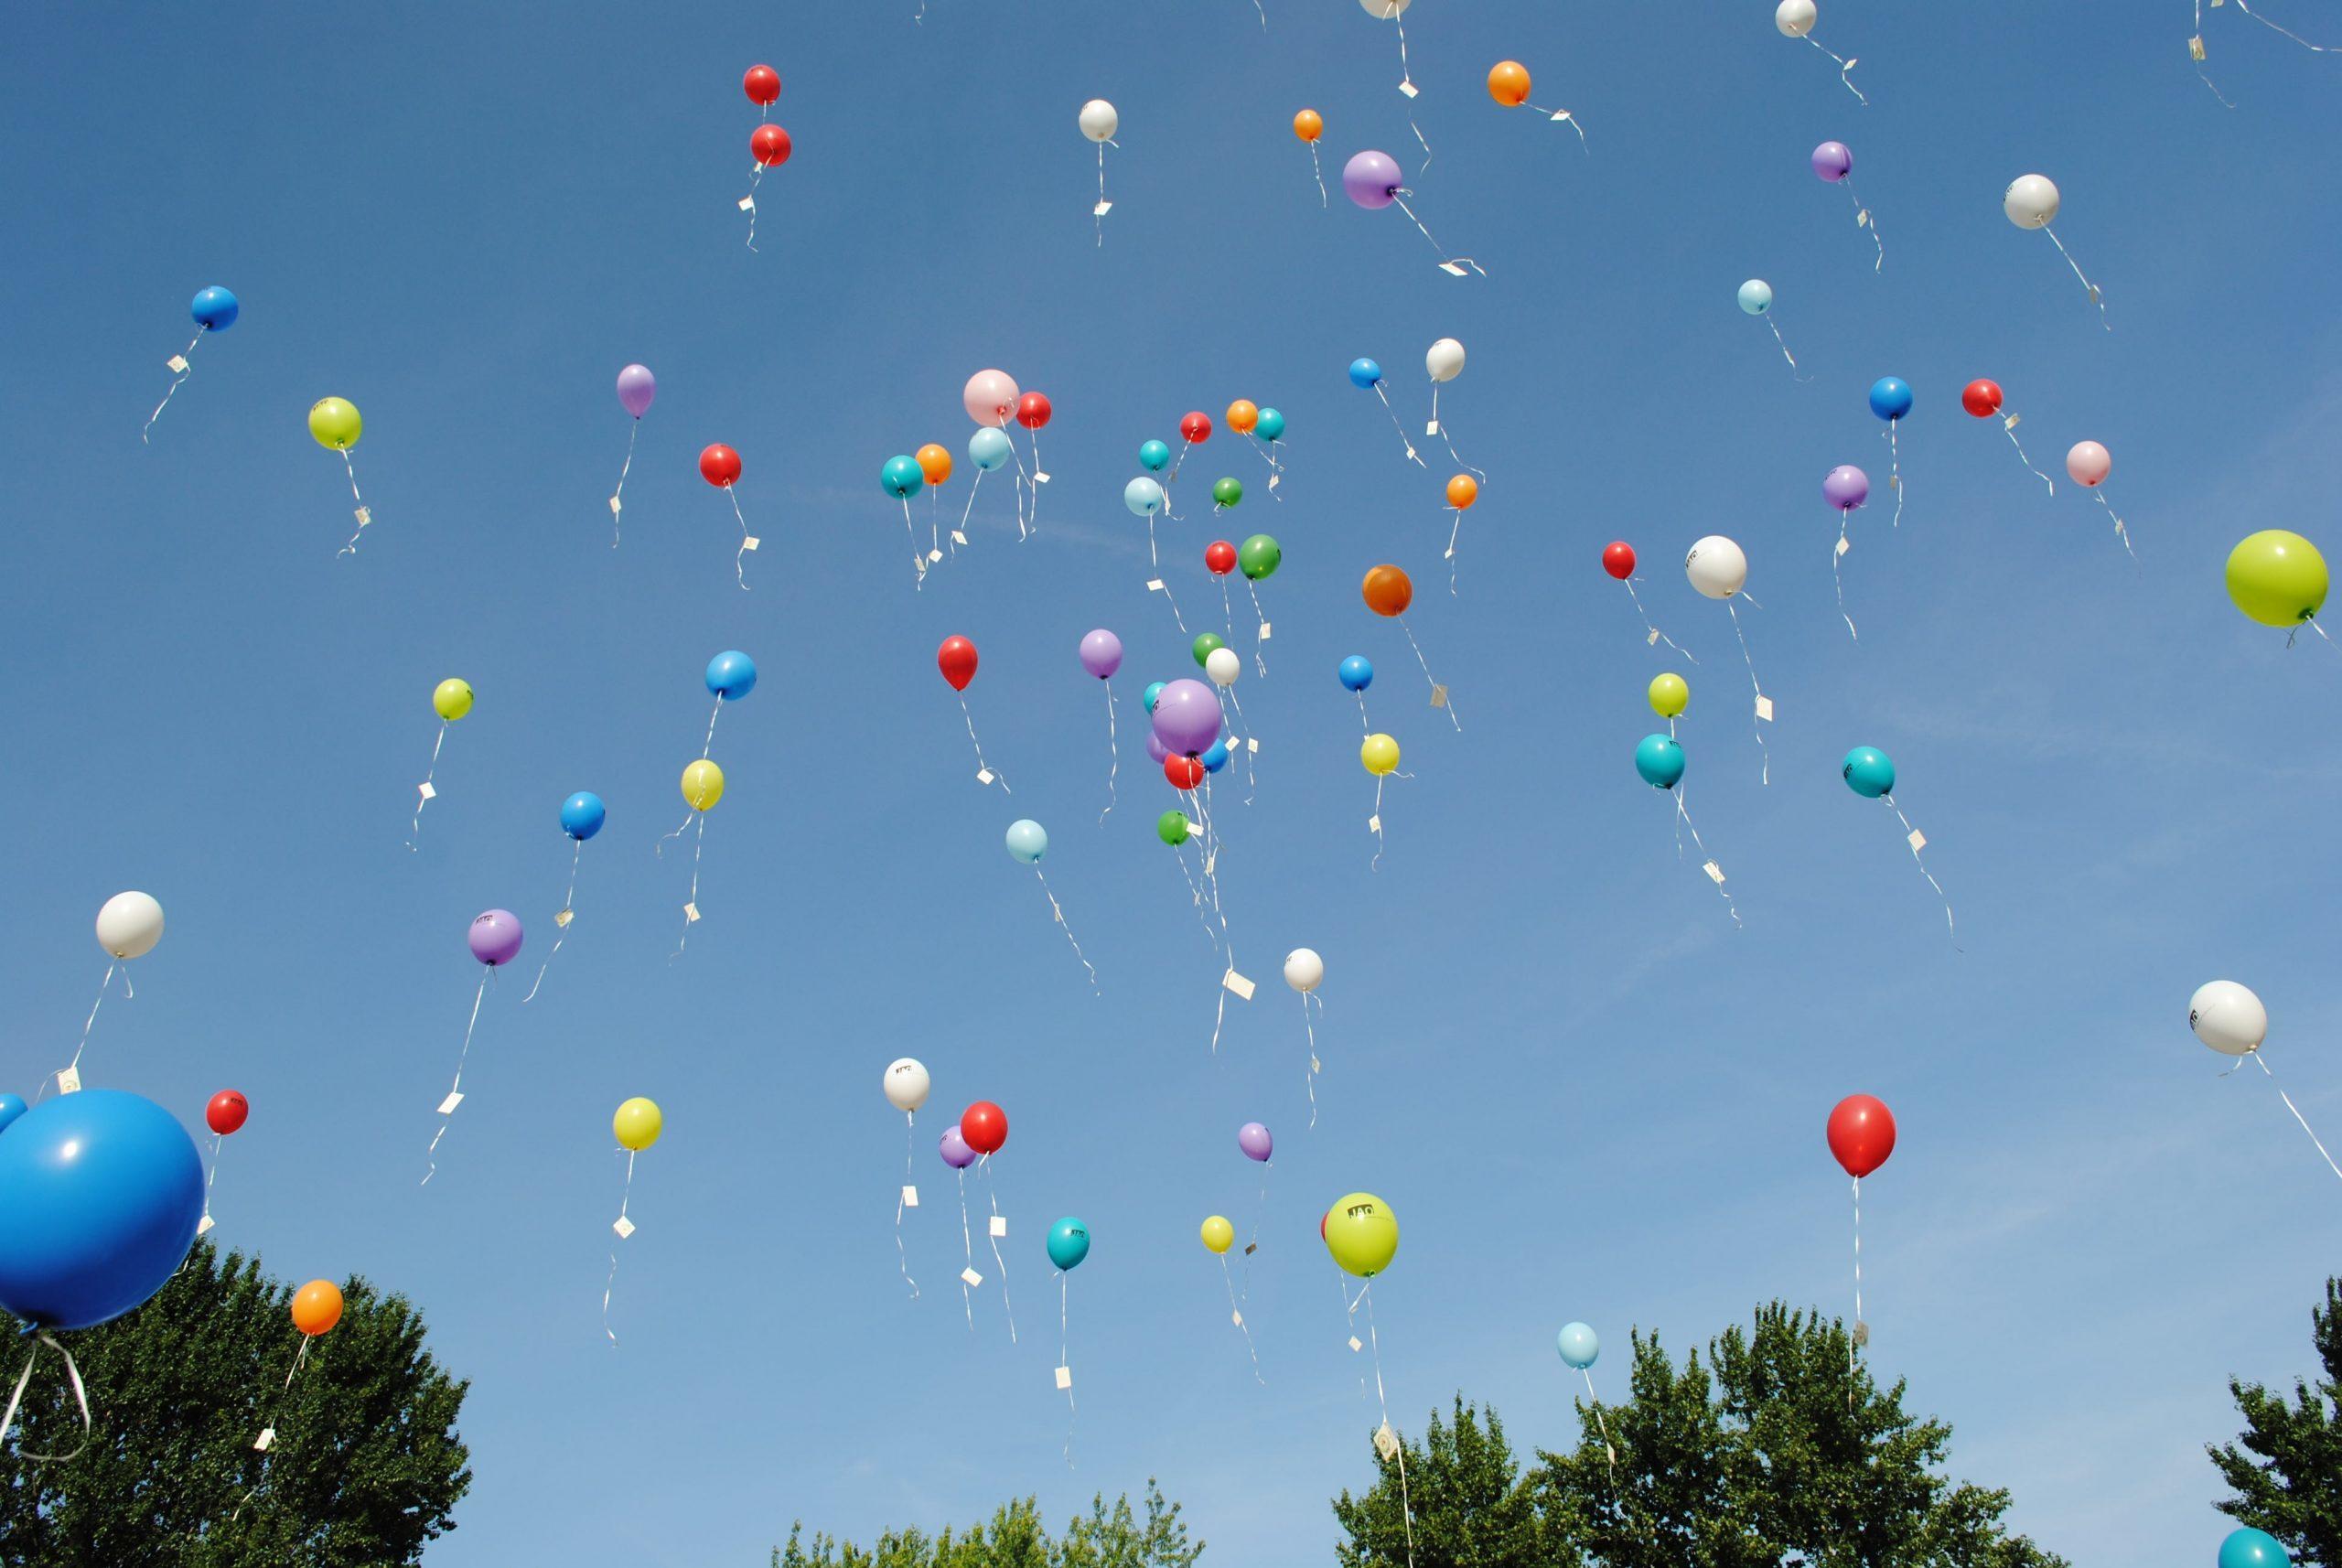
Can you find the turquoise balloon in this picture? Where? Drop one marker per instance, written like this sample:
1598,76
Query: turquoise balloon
988,448
1756,297
902,476
1868,772
1027,841
1578,1345
1142,496
1068,1243
2251,1547
1660,761
1270,425
1153,457
1154,690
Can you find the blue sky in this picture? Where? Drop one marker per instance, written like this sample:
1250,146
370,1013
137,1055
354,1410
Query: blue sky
1585,1095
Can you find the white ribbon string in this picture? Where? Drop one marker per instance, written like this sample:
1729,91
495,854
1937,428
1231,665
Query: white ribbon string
1562,114
1260,656
1309,1027
1236,1316
1267,456
1219,1012
1895,469
183,369
1398,1445
1195,896
712,714
1318,169
1862,220
1915,838
739,569
902,1258
1402,429
1024,483
968,1252
1098,213
1235,745
81,1398
1058,914
2265,1072
983,1168
362,514
967,506
1064,1363
1442,431
560,921
1227,616
2095,297
691,903
981,767
1795,373
1861,1329
1453,266
73,1067
2120,531
1439,697
1845,66
748,202
1365,724
1610,1450
1763,706
1113,753
624,1228
2008,428
455,1090
1708,863
219,1141
1375,822
1656,635
617,505
423,792
919,562
1838,555
1453,529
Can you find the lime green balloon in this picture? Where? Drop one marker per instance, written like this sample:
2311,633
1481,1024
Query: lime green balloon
334,424
1362,1234
2277,578
1206,645
1258,556
1668,695
1226,492
452,698
1172,828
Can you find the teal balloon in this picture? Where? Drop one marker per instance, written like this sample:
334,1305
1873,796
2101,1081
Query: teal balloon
1270,425
1661,761
1068,1243
1869,772
1142,496
1027,841
2252,1549
1153,457
1154,690
988,448
902,476
1578,1345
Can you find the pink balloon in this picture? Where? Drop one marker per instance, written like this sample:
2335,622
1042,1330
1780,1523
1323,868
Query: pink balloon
990,397
2089,463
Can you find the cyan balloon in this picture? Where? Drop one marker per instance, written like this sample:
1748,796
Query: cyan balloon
1215,756
1868,772
1270,426
1142,496
1661,761
1153,457
1068,1243
731,675
902,476
1154,690
1756,297
214,308
2251,1548
1364,373
988,448
100,1194
1890,397
1578,1344
1027,841
1355,672
582,814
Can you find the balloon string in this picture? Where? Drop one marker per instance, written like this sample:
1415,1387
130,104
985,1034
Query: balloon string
611,1283
1309,1078
300,1360
1912,836
362,514
1838,555
1418,130
984,1169
1453,529
87,1024
1398,1445
2095,297
1756,728
1276,471
2248,10
1195,896
1113,753
1406,80
561,921
1656,635
1058,915
1715,872
1895,469
184,371
981,767
2008,428
2281,1094
902,1258
1064,1361
454,1090
1402,429
739,570
1098,213
1454,266
1438,692
1845,66
1564,114
1241,719
2195,53
1862,220
1227,616
1376,863
1795,373
715,712
1365,726
1861,1329
1318,169
919,562
423,792
1220,1014
1236,1316
1169,597
968,1252
81,1398
1260,657
1211,856
968,507
219,1141
624,469
2121,532
755,177
1608,1449
691,903
1450,440
935,524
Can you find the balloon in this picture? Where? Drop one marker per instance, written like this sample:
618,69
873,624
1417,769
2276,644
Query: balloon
1756,297
985,1127
1151,695
1462,491
2228,1018
316,1307
1861,1134
1222,666
1619,559
1206,645
934,462
1660,759
1509,83
1378,754
1578,1345
989,450
957,658
1309,124
906,1084
1890,397
769,145
1845,487
1259,557
1142,496
1868,772
1225,491
1384,10
990,397
719,464
731,675
902,476
1028,841
334,423
1219,558
1362,1234
2250,1547
1304,969
1272,424
1372,179
1195,427
1098,120
214,308
1386,591
100,1193
1184,772
1153,457
703,785
1101,653
11,1107
1254,1139
1444,360
1068,1243
1717,567
1833,161
954,1149
637,1124
637,387
1187,715
1173,828
2031,201
1670,695
762,84
1218,1235
582,815
1364,373
494,937
129,925
1033,410
1215,756
1981,398
1354,673
2277,578
1795,18
1241,417
227,1111
452,699
2089,463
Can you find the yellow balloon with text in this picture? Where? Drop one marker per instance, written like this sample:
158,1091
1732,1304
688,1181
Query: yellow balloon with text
452,699
1362,1234
637,1124
1219,1234
334,424
703,785
1670,695
1379,755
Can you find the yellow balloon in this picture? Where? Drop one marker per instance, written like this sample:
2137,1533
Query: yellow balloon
1362,1234
703,785
2277,578
1379,754
334,424
638,1123
1219,1234
452,698
1668,695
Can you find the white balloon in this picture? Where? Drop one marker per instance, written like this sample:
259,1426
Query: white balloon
2031,201
1716,567
1223,665
1444,361
906,1084
129,924
2228,1018
1304,969
1795,18
990,397
1384,10
1099,121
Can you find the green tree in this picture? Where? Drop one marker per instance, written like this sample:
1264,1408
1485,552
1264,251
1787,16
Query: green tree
2287,1475
1112,1537
1470,1506
365,1469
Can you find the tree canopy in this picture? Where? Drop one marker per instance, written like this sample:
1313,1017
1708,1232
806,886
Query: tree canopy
2285,1470
1107,1536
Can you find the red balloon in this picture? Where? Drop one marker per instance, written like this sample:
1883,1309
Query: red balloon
769,145
719,464
983,1127
1220,556
957,660
1619,559
1033,411
1196,428
762,84
227,1111
1981,398
1185,772
1862,1134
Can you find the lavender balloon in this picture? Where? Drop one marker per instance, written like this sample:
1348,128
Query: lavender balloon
1187,717
495,937
1833,161
954,1150
1254,1139
1101,653
1846,486
637,387
1156,749
1372,179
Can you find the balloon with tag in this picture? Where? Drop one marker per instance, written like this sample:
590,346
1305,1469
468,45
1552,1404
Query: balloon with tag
1101,655
1372,181
1509,86
582,816
906,1084
2231,1020
494,938
2032,201
225,1114
1619,562
1027,843
1718,568
1659,759
1833,164
2088,464
1388,591
1304,972
1367,376
1361,1235
636,1125
1756,299
213,309
1378,754
1794,19
128,926
1068,1244
1890,399
1245,417
1034,411
1847,488
637,387
1870,773
334,424
1462,491
982,1133
720,467
768,145
315,1309
1099,122
451,700
1860,1134
1579,1346
934,468
1443,361
956,660
729,678
1308,126
902,477
1355,672
1984,399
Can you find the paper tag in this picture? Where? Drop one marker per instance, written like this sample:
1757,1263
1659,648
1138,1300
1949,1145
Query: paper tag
1862,217
750,542
691,913
1561,115
1039,478
999,1226
932,557
1433,428
1315,1065
1715,873
957,537
747,204
1652,640
177,364
1236,1317
1251,1248
1374,823
266,1439
447,1106
1408,88
617,506
1264,631
1238,984
2010,421
1764,709
428,792
1272,480
910,1197
203,1224
1101,209
1210,861
1438,695
1843,545
983,775
970,1278
623,1226
1064,1377
1354,1346
1894,482
363,515
1154,585
563,920
1851,61
1452,270
68,1080
1252,744
2195,48
1386,1442
1918,841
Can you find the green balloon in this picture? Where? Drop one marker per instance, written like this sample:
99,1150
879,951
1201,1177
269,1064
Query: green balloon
2277,578
1258,556
1226,492
1206,645
1171,827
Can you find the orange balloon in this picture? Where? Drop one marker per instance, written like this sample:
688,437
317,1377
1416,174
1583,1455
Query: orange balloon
935,462
316,1307
1509,83
1387,592
1462,491
1242,416
1309,124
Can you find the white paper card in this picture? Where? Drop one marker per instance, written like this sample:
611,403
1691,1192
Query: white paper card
1374,823
1438,695
1386,1442
1844,545
1652,640
617,506
1101,209
999,1227
910,1197
983,775
1238,983
68,1080
957,537
1918,841
970,1278
1210,861
176,364
623,1226
1236,1317
1715,873
268,1437
364,516
447,1106
1064,1377
932,556
747,204
1252,744
1408,88
691,913
1764,709
1265,629
1154,585
204,1224
750,542
564,919
1039,478
1433,428
1354,1346
428,792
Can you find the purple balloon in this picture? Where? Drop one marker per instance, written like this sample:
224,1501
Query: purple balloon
1846,486
1156,749
954,1150
1187,717
1372,179
1834,161
1101,653
637,387
495,937
1254,1139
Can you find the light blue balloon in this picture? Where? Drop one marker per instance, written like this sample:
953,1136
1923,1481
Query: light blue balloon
1355,672
1154,690
1142,496
1364,373
1890,397
1660,761
731,675
1153,457
100,1193
1756,297
1027,841
11,1107
214,308
988,448
1068,1243
1215,756
902,476
1270,425
1868,772
582,815
1578,1344
2251,1548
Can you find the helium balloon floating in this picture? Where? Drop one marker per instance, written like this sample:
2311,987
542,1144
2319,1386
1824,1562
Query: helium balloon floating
1618,560
451,700
1860,1131
1984,400
1309,126
128,926
2251,1547
1028,841
1243,416
934,468
1101,655
2088,464
1099,122
636,1125
762,84
1718,569
494,938
1378,754
1387,592
1794,19
720,467
1756,299
1890,399
214,310
1870,773
1362,1236
1443,361
1509,85
983,1128
1355,672
956,658
1372,181
902,477
1660,761
1668,695
637,387
730,676
1217,1236
2231,1020
1462,491
1367,375
955,1152
768,147
2031,201
582,816
334,424
1258,558
2278,578
1034,410
315,1309
1579,1345
1833,164
1845,487
1304,972
906,1084
225,1114
1068,1244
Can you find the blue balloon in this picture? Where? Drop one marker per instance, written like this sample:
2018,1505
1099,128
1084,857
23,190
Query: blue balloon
1660,761
1364,373
582,814
1215,756
1868,772
731,675
1143,497
1357,673
1068,1243
1890,397
989,450
2252,1549
1153,457
11,1107
1154,690
214,308
1027,841
100,1194
902,476
1578,1344
1270,425
1756,297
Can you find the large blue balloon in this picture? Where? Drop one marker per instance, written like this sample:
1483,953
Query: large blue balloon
1890,397
731,675
1364,373
2252,1549
1578,1345
1660,761
1355,672
1270,425
582,814
1868,772
1068,1243
100,1194
214,308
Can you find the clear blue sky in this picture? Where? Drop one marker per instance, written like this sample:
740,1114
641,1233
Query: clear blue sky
1585,1095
